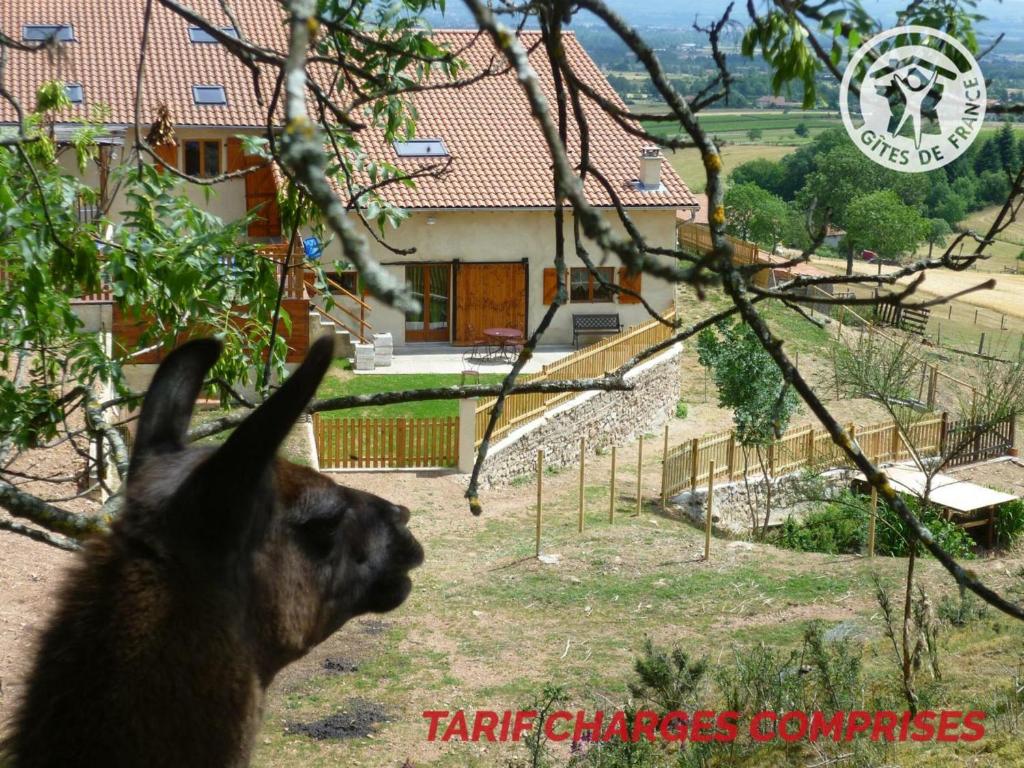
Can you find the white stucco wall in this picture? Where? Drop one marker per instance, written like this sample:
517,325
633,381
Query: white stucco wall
503,236
226,200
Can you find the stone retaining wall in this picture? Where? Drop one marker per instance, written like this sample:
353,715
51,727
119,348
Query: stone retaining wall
604,418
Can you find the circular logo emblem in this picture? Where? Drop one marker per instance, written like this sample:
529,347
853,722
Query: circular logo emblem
918,99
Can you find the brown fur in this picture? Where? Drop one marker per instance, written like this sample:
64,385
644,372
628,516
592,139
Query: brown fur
216,576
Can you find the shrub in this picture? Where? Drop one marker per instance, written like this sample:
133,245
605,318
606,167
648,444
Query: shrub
681,410
960,609
1010,522
837,528
891,532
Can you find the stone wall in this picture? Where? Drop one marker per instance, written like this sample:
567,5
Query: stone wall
604,418
792,494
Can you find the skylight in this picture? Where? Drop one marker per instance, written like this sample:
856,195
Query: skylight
421,148
209,95
200,35
64,33
75,92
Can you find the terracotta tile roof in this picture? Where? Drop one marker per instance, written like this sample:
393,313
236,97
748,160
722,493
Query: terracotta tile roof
104,59
499,158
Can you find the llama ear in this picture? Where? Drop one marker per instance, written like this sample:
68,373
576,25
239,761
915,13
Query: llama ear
167,406
241,461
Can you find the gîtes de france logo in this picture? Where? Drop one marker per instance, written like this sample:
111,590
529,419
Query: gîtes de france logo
921,98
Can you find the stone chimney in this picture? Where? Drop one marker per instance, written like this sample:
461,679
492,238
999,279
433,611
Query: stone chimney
650,168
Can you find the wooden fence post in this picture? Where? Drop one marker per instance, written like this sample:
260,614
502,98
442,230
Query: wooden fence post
693,464
583,448
611,494
810,447
710,508
400,443
730,462
871,522
664,472
894,443
639,474
540,493
944,433
981,343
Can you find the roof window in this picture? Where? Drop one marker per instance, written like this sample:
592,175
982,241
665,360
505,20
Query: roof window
421,148
209,95
200,35
75,92
63,33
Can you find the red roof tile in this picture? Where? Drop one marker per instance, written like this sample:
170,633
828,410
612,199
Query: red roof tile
499,157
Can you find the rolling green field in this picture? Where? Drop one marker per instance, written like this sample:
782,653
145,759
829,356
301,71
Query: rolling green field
689,165
777,126
1003,251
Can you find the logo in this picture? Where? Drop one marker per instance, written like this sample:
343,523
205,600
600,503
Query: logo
919,98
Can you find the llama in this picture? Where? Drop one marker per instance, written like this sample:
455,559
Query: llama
226,565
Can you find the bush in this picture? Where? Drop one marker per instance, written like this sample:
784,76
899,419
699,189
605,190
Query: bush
837,528
1010,522
960,609
891,532
681,410
840,527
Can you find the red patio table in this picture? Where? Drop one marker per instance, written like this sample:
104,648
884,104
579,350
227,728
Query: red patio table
508,340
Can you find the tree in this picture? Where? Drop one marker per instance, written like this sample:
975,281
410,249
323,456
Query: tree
752,386
755,134
937,232
767,174
801,130
755,214
840,176
1004,145
880,222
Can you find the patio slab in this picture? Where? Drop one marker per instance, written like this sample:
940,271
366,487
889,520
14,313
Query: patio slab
443,358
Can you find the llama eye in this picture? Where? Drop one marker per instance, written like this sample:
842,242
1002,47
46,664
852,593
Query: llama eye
317,534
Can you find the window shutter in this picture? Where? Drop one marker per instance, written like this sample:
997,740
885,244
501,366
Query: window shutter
630,282
168,154
550,285
236,157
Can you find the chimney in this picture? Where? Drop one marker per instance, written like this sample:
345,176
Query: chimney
650,168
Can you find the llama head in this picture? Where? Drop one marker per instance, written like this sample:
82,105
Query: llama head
281,552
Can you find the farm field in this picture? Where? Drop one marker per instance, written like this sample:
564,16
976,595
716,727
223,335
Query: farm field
1007,297
1003,253
777,126
690,167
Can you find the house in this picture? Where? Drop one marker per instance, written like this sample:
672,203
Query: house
482,232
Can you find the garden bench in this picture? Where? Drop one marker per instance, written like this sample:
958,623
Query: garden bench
605,323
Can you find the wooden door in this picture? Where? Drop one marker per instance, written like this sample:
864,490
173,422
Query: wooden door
489,296
431,285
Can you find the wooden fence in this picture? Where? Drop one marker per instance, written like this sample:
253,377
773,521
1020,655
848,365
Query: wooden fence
966,443
697,237
592,361
686,466
369,443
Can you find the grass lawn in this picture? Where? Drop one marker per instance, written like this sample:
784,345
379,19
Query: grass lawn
341,381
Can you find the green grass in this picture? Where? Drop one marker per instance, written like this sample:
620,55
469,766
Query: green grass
341,382
689,165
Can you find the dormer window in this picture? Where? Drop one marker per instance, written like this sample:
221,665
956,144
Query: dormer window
209,95
75,92
37,33
421,148
200,35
